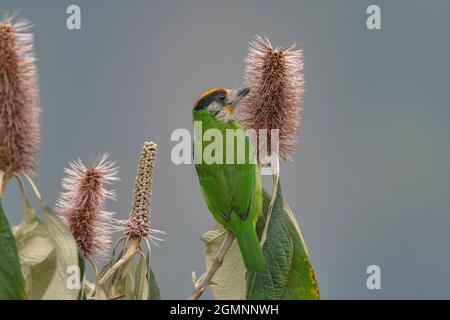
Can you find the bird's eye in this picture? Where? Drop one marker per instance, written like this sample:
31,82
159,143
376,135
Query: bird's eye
222,97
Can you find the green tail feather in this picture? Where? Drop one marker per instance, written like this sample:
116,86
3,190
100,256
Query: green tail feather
250,249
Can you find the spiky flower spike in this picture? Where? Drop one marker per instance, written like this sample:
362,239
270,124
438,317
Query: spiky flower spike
139,222
276,91
82,204
19,110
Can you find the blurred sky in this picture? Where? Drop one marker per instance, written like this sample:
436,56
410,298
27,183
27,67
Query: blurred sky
370,183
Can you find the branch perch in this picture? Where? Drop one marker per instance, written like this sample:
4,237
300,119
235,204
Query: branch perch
215,265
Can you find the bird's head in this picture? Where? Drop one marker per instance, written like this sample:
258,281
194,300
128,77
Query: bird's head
220,102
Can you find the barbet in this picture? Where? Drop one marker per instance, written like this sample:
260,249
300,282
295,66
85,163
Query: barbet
231,186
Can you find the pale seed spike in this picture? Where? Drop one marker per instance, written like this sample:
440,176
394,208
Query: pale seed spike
139,222
82,205
276,92
19,109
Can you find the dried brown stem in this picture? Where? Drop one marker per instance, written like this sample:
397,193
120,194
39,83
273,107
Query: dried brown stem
131,250
215,265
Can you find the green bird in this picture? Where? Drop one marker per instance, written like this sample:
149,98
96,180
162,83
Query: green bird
231,189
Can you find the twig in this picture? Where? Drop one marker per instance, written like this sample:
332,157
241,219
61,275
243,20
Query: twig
215,265
131,250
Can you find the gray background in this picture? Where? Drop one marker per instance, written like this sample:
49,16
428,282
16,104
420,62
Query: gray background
370,182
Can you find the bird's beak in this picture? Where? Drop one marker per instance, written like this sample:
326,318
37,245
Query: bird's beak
236,96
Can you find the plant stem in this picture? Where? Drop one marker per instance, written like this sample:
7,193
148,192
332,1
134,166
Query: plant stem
131,250
34,188
3,180
215,265
29,212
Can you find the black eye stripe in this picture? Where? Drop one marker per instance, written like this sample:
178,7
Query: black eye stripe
210,98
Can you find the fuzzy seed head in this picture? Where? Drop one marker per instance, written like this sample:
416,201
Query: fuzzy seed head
139,222
82,205
19,109
276,92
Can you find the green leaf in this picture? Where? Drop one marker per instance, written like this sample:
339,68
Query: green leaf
66,253
130,281
229,281
35,248
107,286
127,282
66,281
36,253
288,274
141,287
12,286
94,291
154,293
39,276
122,283
154,290
33,242
146,274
